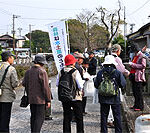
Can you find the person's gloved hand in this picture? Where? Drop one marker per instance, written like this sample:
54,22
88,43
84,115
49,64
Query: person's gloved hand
130,63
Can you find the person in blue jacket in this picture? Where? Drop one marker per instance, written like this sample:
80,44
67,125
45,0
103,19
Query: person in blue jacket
113,101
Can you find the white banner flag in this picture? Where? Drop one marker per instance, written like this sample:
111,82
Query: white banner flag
58,40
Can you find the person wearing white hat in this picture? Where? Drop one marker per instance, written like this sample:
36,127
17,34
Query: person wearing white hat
110,101
109,60
116,51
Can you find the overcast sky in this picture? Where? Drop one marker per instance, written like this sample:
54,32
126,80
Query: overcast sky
39,13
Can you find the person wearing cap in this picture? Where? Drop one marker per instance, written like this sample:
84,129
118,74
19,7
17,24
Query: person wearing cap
113,101
137,78
92,64
39,95
76,103
8,89
116,51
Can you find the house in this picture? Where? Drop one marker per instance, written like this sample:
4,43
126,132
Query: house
6,41
141,37
21,41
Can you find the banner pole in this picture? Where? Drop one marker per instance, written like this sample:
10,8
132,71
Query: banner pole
67,31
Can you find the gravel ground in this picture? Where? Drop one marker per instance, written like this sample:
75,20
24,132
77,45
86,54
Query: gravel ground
20,120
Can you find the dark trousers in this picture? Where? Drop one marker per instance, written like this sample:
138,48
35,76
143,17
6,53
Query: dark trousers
137,88
5,114
84,99
67,114
37,117
116,114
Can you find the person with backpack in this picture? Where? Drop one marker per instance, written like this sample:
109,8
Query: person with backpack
116,51
70,85
108,81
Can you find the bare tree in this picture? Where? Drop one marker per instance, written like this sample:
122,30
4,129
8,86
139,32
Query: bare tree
86,17
111,21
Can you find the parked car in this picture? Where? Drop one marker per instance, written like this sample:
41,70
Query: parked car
23,56
99,53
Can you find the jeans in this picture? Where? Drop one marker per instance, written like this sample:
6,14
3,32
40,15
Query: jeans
116,114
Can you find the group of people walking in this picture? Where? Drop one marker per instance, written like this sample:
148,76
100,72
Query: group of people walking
72,92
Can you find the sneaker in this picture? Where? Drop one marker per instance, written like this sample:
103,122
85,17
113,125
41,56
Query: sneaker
48,118
73,119
132,107
137,109
84,113
110,124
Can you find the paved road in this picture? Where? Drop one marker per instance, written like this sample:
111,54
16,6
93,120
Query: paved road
20,120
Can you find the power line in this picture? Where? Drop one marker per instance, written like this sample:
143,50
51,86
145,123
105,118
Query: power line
45,8
3,29
40,18
139,7
6,12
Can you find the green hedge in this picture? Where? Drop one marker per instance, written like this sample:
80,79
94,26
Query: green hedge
21,70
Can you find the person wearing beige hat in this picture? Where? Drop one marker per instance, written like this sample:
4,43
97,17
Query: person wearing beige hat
79,62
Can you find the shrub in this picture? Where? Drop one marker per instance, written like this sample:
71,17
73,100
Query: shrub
21,70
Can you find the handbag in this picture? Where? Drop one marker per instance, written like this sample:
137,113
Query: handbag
24,101
3,78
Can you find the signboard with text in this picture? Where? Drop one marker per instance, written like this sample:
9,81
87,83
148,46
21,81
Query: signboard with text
58,40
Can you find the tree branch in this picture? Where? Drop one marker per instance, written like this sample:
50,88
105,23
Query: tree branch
117,26
82,27
103,17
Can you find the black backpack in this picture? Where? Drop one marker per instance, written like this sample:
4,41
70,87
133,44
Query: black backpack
66,87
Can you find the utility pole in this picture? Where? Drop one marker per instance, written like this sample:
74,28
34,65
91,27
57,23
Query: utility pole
20,29
88,34
30,37
13,31
131,27
125,31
